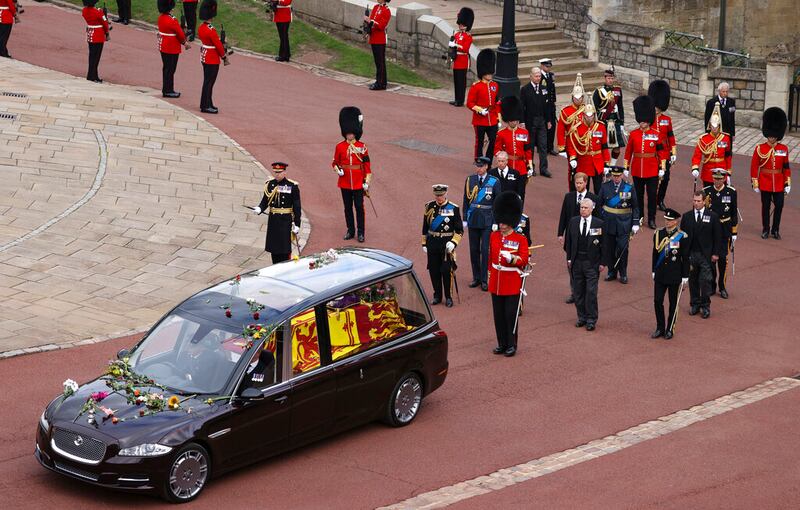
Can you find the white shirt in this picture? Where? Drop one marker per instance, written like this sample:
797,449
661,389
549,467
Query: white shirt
588,222
699,211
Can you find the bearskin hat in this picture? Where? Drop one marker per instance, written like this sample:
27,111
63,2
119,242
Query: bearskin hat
208,10
89,3
486,62
466,17
511,108
774,123
644,109
351,121
164,6
507,208
660,92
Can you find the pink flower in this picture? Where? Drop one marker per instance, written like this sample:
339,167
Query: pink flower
98,396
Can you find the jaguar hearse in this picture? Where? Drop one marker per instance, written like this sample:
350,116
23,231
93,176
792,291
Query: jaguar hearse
249,368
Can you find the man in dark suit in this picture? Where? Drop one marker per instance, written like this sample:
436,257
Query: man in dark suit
538,111
549,81
480,190
586,259
727,108
510,179
670,271
570,208
702,226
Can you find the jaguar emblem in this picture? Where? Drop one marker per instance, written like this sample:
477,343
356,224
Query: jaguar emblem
78,441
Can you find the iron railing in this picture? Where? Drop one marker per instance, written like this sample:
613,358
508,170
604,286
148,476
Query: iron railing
694,42
794,107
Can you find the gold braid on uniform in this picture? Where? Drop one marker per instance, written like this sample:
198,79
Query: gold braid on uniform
765,157
571,119
429,212
270,194
605,97
708,150
584,141
470,194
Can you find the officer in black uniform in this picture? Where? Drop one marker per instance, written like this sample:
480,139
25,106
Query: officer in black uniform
442,230
721,198
620,212
480,190
670,271
281,201
549,81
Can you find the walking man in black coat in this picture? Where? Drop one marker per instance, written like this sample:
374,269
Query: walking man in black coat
538,110
586,259
727,109
570,208
702,226
670,271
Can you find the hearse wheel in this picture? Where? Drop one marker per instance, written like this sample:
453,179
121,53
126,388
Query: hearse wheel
187,474
404,401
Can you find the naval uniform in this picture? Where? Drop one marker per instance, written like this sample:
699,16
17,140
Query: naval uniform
724,202
479,195
620,213
670,267
440,225
281,201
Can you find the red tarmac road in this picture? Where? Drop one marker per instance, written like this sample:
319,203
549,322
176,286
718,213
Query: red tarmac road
564,388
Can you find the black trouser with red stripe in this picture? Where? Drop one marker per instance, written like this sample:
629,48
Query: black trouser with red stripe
460,85
169,63
123,9
720,268
504,309
353,198
379,55
190,13
284,53
5,33
482,132
210,72
648,184
767,199
95,50
662,188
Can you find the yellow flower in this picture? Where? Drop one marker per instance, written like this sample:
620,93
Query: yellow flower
174,402
256,335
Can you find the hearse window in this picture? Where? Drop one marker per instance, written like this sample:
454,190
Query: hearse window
375,314
163,339
265,367
305,342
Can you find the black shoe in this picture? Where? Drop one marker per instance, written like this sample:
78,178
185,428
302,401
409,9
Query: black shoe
375,86
456,103
348,236
172,95
191,38
448,303
668,335
510,352
553,152
623,280
499,350
651,224
610,277
209,110
533,173
570,300
694,310
546,173
705,313
484,286
776,235
474,283
580,323
126,21
661,206
764,234
98,80
436,300
657,334
723,293
590,326
360,238
117,20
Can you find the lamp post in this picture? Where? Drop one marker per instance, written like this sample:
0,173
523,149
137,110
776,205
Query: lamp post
507,72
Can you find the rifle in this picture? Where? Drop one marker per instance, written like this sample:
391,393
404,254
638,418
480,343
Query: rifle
223,38
20,9
366,27
452,51
105,15
272,7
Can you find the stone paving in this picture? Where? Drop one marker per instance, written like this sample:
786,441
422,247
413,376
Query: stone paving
115,205
653,429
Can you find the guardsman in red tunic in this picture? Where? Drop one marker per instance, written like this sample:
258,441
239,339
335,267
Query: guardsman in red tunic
460,44
643,157
713,150
587,147
351,162
283,19
770,172
378,20
96,35
211,53
8,16
484,102
508,258
515,141
170,40
570,117
659,90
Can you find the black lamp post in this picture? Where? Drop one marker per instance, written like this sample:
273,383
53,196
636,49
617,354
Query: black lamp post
507,73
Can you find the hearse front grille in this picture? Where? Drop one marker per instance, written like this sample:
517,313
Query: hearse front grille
78,447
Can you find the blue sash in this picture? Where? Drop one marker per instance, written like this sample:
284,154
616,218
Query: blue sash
663,254
437,221
613,201
489,182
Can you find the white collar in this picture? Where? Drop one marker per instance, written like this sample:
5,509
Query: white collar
701,211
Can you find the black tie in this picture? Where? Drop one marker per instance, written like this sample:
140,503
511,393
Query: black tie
697,216
583,227
480,182
580,197
536,88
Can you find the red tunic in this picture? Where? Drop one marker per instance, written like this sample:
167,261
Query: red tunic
663,125
643,153
283,14
380,16
569,115
7,12
464,41
484,94
505,278
516,142
712,152
96,25
170,35
212,50
769,168
354,160
589,146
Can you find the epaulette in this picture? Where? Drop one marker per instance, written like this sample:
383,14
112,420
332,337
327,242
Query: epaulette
293,182
269,179
477,82
707,187
731,187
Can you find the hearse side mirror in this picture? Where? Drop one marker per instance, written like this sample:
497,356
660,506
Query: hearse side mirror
251,394
123,353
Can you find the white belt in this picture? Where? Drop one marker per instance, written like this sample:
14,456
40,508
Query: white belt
166,35
283,6
506,268
208,47
94,26
4,8
462,53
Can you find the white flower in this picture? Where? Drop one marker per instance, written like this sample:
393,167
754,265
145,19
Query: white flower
70,387
250,301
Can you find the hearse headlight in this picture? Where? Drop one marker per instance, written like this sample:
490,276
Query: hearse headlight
145,450
43,421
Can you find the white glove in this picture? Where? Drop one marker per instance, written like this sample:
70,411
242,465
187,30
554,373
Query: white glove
530,172
494,227
733,238
625,173
339,171
452,44
654,276
684,281
425,249
787,189
673,159
759,191
635,229
464,224
256,210
484,111
606,170
295,229
450,246
366,186
661,173
574,164
563,154
695,173
507,256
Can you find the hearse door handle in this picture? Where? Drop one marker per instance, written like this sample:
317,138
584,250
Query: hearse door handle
282,399
361,373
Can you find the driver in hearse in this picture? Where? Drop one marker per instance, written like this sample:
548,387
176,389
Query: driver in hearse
261,372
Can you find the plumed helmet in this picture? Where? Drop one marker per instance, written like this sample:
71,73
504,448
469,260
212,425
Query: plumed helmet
507,208
774,123
577,89
715,120
466,17
351,121
485,63
208,10
164,6
644,109
511,108
660,92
